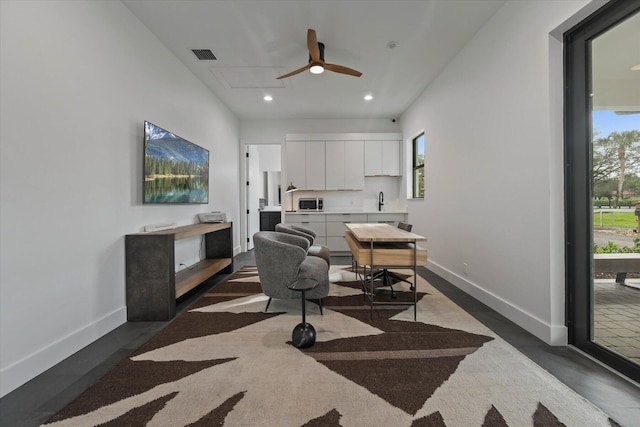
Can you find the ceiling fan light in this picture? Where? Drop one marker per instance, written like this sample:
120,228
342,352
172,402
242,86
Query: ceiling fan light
317,69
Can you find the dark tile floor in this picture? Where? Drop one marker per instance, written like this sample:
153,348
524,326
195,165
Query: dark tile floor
36,401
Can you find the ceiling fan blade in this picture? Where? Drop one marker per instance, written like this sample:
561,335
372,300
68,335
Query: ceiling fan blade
341,69
293,73
312,45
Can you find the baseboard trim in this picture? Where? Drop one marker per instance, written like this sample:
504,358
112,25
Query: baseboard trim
556,335
22,371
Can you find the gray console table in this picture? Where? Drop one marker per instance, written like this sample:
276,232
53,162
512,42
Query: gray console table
151,281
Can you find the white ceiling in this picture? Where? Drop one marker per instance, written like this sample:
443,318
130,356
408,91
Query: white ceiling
257,40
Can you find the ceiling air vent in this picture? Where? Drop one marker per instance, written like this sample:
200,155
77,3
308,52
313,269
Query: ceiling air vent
204,54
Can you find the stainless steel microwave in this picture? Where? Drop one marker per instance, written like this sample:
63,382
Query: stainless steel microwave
308,204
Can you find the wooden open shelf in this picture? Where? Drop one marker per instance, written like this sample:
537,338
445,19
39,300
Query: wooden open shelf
191,277
151,280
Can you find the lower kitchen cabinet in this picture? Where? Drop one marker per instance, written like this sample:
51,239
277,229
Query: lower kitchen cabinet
336,228
313,221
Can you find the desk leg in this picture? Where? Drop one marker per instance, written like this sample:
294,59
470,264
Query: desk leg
362,278
371,294
363,282
415,284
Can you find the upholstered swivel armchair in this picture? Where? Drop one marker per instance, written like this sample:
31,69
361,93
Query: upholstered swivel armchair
314,250
281,259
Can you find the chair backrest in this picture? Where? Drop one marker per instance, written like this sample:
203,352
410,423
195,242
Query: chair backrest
405,226
305,230
290,229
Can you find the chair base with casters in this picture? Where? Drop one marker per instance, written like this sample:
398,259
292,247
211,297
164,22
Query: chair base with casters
386,277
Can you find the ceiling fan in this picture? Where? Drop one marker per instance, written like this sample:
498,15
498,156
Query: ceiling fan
316,60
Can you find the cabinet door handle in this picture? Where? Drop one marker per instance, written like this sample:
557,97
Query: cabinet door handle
304,222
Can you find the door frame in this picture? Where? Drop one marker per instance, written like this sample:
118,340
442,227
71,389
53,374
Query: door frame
243,183
252,213
578,185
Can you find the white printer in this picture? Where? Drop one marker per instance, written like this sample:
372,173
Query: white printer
215,216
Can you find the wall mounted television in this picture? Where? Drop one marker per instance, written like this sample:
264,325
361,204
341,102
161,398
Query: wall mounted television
175,170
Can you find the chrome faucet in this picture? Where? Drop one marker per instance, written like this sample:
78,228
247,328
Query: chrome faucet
380,201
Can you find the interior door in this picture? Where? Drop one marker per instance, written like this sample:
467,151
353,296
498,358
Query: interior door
253,193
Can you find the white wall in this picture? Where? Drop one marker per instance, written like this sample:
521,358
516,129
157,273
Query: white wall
494,179
77,80
270,159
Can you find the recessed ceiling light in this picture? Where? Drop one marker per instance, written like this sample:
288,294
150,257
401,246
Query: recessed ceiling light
268,98
368,97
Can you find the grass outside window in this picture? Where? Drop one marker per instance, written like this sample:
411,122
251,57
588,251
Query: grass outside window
615,219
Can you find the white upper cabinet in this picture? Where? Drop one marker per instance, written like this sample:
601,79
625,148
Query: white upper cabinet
391,158
354,165
315,165
344,165
382,158
296,164
341,161
334,165
306,164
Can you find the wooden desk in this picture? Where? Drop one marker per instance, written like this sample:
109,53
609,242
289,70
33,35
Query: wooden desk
383,245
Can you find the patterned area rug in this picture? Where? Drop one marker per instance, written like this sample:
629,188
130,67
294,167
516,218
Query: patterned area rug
226,362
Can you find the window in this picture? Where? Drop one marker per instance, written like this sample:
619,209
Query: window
601,128
418,166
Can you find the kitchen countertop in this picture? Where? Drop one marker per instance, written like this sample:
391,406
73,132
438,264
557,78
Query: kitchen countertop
350,211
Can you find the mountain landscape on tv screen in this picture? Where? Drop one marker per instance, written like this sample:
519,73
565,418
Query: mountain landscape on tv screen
166,145
175,170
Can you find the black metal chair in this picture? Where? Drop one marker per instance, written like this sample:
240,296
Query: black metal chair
387,275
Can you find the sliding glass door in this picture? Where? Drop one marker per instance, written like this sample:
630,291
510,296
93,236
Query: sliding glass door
602,146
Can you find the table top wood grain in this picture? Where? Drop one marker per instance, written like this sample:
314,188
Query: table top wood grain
382,232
